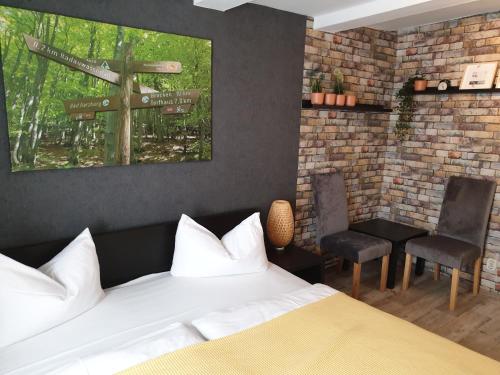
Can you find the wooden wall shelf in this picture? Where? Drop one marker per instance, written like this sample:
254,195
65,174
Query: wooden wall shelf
455,90
361,108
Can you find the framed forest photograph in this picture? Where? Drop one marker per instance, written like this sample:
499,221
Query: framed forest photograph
87,94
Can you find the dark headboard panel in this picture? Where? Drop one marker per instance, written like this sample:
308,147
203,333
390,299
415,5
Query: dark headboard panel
127,254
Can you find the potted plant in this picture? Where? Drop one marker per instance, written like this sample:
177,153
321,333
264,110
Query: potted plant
317,96
330,98
339,87
351,100
420,83
405,108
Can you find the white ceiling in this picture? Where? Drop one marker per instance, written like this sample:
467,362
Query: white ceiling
339,15
310,7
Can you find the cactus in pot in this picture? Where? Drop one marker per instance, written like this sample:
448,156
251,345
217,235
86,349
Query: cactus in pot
317,94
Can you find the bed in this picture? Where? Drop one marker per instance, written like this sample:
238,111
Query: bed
142,298
141,295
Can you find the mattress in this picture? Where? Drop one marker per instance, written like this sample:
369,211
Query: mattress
139,308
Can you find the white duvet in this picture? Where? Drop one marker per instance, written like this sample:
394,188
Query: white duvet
177,336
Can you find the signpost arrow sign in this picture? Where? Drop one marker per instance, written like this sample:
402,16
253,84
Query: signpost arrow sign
40,48
102,104
176,109
139,66
157,67
160,99
82,116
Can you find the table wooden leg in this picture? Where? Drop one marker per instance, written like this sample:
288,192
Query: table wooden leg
407,272
477,276
437,271
356,280
455,278
383,273
340,263
393,266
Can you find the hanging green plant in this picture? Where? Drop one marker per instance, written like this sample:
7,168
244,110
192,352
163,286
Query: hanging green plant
405,108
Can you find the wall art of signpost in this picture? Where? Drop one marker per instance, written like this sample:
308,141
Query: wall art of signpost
86,94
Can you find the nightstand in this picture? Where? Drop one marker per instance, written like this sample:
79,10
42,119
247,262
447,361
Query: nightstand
300,262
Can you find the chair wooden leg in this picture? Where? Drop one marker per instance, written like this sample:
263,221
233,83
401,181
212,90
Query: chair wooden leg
356,279
384,272
340,263
477,276
455,277
437,271
407,272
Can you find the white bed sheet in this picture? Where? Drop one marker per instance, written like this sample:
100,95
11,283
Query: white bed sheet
139,308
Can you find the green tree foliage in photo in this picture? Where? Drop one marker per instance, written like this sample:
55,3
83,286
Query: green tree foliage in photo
41,133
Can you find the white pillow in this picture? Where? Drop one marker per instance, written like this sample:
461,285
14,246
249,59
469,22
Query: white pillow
199,253
32,301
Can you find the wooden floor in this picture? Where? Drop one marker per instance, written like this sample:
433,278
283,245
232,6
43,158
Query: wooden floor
475,323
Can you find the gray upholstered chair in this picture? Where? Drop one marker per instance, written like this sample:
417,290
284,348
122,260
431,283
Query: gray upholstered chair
460,234
333,234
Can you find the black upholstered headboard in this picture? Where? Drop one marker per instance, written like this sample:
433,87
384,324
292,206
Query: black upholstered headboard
127,254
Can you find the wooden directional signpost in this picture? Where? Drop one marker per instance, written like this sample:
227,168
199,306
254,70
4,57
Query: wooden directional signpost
131,95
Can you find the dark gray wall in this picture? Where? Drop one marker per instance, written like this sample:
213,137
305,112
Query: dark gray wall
257,80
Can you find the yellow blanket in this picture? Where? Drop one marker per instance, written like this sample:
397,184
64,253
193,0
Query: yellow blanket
337,335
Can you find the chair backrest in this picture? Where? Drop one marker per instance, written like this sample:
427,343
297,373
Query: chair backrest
466,209
330,201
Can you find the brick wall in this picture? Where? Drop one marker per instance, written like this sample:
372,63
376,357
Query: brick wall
456,134
352,142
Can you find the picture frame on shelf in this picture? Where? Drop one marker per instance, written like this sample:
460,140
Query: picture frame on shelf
479,76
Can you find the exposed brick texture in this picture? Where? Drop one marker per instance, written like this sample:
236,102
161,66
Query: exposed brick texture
455,134
352,142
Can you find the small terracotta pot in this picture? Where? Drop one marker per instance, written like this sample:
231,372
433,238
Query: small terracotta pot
340,100
330,99
420,85
317,98
351,100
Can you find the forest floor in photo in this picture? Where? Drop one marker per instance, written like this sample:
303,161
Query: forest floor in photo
55,156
